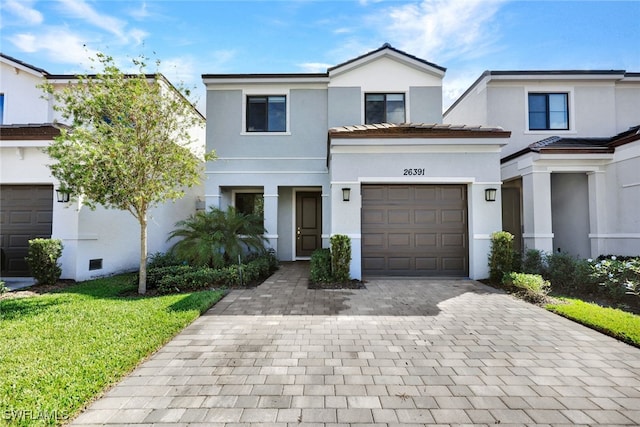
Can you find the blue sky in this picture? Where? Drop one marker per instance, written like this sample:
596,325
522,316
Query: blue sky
208,36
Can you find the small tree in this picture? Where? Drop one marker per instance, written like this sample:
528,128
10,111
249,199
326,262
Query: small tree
128,144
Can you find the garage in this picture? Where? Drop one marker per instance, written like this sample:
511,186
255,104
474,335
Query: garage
415,230
25,213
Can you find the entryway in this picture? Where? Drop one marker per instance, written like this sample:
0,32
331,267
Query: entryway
308,223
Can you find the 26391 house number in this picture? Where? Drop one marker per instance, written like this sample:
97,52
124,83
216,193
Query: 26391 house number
414,172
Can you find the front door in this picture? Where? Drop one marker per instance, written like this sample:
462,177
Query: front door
308,223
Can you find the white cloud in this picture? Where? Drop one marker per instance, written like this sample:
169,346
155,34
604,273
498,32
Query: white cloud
80,9
24,11
442,29
58,44
141,12
315,67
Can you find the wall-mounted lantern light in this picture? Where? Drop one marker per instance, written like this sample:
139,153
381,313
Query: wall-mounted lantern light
490,194
346,194
62,195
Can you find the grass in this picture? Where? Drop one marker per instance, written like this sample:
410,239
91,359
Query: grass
611,321
61,350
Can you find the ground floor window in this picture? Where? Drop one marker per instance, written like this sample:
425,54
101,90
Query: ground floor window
250,203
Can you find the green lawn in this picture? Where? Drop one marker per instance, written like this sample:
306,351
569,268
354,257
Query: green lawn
616,323
58,351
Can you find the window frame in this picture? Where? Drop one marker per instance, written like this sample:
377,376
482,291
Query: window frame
246,94
2,99
385,112
551,89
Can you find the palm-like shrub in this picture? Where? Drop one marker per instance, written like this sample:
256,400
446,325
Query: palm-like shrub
216,238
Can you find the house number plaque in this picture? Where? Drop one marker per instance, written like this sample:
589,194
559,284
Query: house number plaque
414,172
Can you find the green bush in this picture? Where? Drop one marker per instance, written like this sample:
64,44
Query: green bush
533,262
560,270
532,284
166,259
3,288
341,258
187,278
320,266
617,275
43,258
501,255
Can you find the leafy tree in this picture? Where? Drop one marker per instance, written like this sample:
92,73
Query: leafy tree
216,238
128,145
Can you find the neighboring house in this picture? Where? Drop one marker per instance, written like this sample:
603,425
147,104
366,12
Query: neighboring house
359,150
571,180
96,242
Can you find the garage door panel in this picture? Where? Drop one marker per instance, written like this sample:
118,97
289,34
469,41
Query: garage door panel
417,230
399,263
398,193
373,193
374,216
453,192
399,240
400,216
455,216
426,193
374,264
424,216
452,240
426,240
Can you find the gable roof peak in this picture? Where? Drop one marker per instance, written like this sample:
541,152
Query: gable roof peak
387,50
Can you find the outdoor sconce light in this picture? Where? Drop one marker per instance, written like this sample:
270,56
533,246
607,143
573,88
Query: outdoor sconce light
346,194
490,194
62,195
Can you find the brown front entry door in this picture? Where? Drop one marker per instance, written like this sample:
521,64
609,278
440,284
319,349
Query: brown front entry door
308,223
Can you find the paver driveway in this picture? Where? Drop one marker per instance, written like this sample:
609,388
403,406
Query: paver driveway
401,352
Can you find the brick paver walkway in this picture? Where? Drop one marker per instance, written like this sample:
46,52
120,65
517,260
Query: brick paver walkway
401,352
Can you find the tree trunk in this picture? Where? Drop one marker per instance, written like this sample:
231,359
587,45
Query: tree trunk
142,276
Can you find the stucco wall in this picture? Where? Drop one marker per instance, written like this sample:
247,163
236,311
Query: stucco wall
425,104
22,99
345,106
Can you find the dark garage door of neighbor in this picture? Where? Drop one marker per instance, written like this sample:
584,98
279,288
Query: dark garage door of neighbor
25,213
415,230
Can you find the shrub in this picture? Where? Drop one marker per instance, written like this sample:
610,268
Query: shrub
501,255
3,288
560,270
618,275
340,257
320,266
186,278
160,259
533,285
43,258
533,262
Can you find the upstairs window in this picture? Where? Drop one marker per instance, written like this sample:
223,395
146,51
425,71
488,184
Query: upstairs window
384,108
548,111
267,113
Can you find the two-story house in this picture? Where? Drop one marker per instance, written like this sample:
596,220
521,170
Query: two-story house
96,243
359,150
571,180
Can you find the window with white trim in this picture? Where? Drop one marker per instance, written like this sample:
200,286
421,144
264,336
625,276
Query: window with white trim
266,113
548,111
384,108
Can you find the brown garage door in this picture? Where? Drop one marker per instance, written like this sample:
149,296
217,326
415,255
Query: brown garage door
25,213
415,230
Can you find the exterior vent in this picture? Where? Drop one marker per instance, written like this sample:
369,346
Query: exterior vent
95,264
